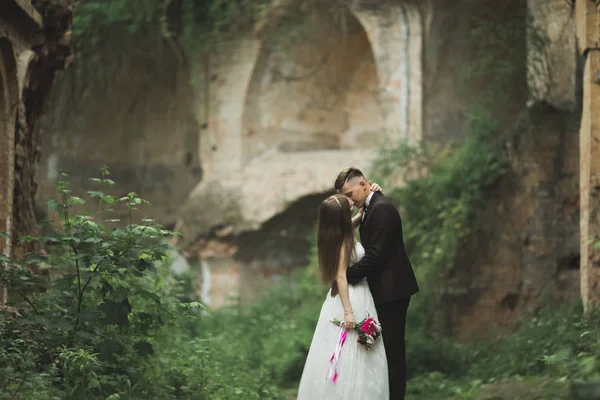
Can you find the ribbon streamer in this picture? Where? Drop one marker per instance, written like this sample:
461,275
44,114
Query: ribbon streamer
332,372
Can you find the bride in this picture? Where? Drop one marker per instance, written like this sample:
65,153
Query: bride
361,373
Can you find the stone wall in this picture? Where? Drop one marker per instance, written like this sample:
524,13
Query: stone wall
17,24
526,256
588,18
34,43
240,160
142,126
553,59
327,100
8,96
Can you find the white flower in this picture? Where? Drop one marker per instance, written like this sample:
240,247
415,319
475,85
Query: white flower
370,339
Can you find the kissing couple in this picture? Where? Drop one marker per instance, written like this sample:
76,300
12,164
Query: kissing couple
371,278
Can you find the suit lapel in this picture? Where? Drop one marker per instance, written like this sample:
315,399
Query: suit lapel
370,207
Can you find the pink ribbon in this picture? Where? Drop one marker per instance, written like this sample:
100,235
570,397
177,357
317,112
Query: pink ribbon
332,372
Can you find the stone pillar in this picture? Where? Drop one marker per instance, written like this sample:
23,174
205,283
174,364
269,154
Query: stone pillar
223,78
396,36
552,67
7,146
588,36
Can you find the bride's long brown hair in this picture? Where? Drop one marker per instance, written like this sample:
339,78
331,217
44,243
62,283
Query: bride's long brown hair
334,233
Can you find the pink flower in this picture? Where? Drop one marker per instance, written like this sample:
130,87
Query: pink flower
369,326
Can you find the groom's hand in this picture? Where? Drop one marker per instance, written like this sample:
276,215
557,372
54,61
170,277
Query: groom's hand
334,289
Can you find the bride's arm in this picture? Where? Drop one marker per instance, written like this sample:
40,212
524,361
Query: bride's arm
342,284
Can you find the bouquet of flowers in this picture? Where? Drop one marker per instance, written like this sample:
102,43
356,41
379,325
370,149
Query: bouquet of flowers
368,331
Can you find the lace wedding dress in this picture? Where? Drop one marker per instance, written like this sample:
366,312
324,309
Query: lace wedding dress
362,373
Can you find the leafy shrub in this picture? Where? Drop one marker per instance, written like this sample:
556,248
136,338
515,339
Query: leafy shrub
112,321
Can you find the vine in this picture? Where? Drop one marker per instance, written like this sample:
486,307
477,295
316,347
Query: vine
163,34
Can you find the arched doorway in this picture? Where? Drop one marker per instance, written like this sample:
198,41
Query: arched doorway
313,91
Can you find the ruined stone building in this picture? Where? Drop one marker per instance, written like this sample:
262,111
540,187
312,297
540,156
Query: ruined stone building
239,159
34,43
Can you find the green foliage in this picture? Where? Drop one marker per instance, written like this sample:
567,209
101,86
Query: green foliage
556,341
112,322
137,333
203,25
158,33
272,336
557,345
595,243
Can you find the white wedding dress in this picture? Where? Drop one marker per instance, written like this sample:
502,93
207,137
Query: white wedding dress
362,373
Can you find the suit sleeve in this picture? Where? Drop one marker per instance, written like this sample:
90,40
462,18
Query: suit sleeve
385,223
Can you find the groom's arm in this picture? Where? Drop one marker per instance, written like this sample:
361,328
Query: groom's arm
384,223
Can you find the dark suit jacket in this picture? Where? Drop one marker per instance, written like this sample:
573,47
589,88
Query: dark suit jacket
385,264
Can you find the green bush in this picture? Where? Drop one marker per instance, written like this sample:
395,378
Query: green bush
112,323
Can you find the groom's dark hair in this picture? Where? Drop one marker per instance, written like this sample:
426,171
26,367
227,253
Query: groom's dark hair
346,175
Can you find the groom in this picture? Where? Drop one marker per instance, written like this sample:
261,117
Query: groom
386,267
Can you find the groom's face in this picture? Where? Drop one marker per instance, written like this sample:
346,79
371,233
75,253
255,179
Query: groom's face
357,191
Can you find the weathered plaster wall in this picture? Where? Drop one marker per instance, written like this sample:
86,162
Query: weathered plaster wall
307,97
274,119
553,64
143,127
242,159
8,97
18,23
526,255
588,18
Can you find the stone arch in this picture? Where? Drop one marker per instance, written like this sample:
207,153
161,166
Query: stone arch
395,32
320,92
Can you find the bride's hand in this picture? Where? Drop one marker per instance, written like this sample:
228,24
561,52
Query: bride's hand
349,321
375,187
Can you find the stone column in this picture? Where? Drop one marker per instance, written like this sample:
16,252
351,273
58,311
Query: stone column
223,83
587,15
7,146
396,36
